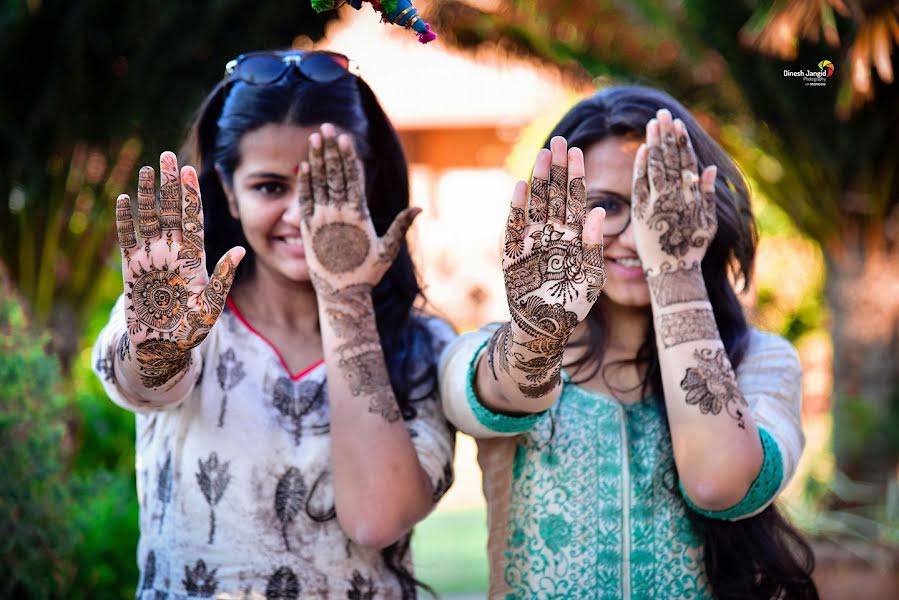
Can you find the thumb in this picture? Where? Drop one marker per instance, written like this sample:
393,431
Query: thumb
220,282
393,239
592,235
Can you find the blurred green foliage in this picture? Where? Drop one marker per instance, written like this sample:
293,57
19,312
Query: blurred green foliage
826,155
67,492
450,550
37,534
93,89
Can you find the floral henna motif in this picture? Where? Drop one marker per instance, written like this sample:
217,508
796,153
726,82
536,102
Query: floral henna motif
683,226
367,376
551,282
160,297
711,385
349,311
551,258
170,302
668,198
514,246
160,361
547,327
537,204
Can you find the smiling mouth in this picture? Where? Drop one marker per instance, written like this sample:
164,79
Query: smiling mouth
292,241
626,262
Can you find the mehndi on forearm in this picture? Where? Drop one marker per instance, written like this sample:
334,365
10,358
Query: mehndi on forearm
683,316
349,313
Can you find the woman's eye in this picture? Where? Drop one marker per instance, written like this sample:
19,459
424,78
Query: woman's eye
612,206
270,188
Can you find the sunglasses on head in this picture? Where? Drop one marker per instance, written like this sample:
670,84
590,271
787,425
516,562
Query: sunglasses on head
265,68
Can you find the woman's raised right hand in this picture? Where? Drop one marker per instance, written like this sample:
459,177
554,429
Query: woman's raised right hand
170,301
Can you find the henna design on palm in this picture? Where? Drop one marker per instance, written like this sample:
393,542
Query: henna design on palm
170,301
346,260
552,277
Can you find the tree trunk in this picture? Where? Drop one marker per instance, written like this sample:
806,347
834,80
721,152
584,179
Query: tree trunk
863,294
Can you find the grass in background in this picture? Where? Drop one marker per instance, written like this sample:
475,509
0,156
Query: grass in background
450,552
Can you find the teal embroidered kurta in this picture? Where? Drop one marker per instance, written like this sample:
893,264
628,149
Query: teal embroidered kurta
583,500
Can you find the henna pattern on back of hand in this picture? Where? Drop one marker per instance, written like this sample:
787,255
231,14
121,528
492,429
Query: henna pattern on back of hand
551,277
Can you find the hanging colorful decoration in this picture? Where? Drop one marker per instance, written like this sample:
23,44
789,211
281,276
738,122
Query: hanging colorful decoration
398,12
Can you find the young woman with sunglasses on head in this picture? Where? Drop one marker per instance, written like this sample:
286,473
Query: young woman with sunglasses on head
633,428
289,432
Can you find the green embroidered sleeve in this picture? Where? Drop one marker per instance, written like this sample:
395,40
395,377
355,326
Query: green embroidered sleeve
491,420
762,490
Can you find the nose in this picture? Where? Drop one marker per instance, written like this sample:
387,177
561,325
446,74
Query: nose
291,215
626,237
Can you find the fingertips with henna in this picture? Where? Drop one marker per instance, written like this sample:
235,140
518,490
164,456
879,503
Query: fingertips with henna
396,234
652,133
237,254
513,243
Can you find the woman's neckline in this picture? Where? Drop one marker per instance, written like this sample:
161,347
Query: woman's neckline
566,377
233,307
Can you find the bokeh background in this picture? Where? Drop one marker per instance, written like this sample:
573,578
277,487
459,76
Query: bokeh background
93,89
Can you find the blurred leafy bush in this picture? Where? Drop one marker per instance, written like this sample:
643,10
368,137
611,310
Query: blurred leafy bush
67,495
37,534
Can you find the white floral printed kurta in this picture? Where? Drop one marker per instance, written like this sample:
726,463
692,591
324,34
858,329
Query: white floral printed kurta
234,475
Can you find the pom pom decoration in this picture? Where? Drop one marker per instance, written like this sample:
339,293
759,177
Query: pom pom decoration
398,12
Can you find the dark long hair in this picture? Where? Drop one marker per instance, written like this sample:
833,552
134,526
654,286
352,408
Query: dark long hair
234,109
758,557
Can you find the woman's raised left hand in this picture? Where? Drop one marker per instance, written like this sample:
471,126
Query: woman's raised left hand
342,247
673,208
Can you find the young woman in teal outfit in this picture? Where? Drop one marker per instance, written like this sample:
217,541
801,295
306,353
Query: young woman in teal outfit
633,429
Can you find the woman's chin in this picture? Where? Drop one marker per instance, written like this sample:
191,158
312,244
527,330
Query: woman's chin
628,296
